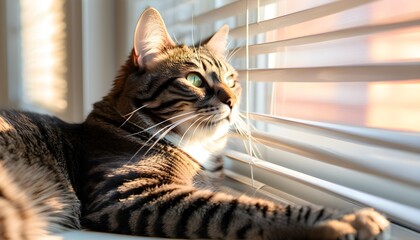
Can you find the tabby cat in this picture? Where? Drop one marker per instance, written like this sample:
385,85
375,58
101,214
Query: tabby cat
146,158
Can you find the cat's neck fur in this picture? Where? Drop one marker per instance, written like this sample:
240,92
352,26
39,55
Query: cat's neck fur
205,152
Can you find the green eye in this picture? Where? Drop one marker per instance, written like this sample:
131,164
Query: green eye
195,79
230,81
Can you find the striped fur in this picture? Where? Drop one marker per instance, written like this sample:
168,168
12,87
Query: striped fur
154,144
37,174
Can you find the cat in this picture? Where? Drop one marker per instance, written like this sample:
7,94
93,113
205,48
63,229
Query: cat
147,160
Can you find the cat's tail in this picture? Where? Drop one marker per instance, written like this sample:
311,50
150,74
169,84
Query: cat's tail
30,207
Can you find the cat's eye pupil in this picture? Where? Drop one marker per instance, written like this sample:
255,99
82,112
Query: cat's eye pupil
195,79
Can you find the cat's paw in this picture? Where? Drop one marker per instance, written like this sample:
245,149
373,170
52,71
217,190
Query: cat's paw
365,224
369,224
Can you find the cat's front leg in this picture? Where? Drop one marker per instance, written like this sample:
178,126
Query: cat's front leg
179,211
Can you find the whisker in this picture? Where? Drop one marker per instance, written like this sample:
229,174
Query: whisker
168,130
192,29
244,129
198,55
240,129
227,47
171,126
135,110
166,120
183,135
233,53
206,119
176,40
131,114
135,154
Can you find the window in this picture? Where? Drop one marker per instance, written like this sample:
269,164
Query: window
42,57
331,88
44,37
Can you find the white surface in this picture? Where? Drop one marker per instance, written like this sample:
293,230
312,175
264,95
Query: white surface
83,235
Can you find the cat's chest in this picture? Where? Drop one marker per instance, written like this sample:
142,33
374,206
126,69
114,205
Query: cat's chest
205,153
199,153
209,160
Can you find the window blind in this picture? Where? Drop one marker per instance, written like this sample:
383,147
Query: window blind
44,82
49,31
331,88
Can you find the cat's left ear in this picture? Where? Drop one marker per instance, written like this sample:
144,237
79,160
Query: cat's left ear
150,38
218,43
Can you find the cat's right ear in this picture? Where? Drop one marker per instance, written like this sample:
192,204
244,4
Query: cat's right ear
150,38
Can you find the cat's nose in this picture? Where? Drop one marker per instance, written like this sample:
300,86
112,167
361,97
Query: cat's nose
226,97
230,102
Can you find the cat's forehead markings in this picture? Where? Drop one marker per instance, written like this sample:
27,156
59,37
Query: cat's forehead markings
191,64
214,77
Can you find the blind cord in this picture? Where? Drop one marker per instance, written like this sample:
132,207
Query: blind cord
251,158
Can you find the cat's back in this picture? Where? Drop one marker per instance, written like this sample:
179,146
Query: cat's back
39,139
39,157
34,130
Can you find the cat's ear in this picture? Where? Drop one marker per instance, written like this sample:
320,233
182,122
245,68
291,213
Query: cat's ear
150,38
218,43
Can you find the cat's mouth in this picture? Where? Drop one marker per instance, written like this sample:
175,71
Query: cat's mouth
222,117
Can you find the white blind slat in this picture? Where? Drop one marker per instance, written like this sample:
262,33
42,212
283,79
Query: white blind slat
225,11
297,17
361,73
228,10
409,142
404,170
276,46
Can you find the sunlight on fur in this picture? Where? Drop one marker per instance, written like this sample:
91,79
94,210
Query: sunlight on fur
4,125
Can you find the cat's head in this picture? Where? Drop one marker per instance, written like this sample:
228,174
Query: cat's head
190,91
